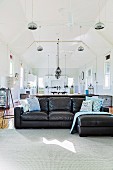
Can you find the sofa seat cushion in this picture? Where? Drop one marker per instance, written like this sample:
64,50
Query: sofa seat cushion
61,115
95,121
34,115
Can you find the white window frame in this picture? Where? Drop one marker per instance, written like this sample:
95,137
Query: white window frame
107,73
21,77
89,78
70,81
40,82
11,68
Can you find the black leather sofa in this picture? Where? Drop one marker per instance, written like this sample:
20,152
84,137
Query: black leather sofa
56,112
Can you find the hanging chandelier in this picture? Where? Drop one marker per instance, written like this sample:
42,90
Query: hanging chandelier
58,70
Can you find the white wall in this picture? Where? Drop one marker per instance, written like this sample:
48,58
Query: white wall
5,52
4,64
4,60
100,75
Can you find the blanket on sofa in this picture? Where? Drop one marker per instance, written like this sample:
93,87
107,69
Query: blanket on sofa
73,128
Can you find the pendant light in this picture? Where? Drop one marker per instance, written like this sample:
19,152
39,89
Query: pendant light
80,48
99,25
58,70
32,25
39,48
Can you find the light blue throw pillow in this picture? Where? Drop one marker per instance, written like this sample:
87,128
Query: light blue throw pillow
97,102
92,98
96,105
33,104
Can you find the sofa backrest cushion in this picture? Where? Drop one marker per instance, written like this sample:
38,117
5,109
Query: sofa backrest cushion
59,104
44,106
76,104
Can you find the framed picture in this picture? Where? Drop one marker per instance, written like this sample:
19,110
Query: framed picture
82,75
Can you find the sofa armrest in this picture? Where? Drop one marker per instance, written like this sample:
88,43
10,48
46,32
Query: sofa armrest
18,111
104,109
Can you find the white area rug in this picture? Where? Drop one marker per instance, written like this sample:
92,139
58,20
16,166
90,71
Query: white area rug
54,149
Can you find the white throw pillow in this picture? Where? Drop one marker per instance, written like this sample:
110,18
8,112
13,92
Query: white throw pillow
86,106
24,104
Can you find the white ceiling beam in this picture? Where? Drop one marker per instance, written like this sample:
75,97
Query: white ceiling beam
54,41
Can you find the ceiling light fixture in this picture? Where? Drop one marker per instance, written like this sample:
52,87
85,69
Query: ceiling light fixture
99,25
39,48
32,25
58,70
80,48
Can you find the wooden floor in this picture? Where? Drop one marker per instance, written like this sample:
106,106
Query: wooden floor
7,118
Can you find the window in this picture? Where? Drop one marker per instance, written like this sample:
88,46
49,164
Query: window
70,82
89,78
21,76
40,82
107,74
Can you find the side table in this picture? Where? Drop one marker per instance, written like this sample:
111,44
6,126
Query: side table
111,109
1,119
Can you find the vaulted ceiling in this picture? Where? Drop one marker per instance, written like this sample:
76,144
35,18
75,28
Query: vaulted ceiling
57,19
